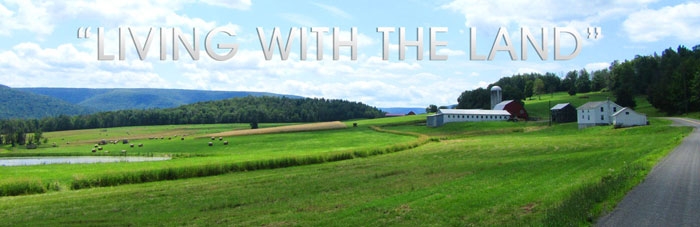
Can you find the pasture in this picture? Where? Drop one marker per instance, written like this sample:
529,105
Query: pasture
496,173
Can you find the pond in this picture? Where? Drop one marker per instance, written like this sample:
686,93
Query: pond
25,161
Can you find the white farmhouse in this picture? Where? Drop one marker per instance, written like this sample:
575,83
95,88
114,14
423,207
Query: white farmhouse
444,116
596,113
627,117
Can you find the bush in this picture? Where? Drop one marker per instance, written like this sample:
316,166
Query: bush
22,187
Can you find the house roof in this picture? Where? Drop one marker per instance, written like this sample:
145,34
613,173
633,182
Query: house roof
474,112
502,105
593,105
560,106
626,110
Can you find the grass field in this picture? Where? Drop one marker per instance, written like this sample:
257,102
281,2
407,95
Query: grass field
191,152
498,173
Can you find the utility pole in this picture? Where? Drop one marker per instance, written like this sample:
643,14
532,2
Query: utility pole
549,107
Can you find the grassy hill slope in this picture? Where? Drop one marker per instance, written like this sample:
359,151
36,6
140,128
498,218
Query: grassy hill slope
539,106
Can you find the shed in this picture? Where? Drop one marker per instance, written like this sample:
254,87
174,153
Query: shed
563,112
627,117
516,109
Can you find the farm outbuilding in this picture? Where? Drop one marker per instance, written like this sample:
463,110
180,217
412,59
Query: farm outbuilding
445,116
596,113
627,117
563,112
515,109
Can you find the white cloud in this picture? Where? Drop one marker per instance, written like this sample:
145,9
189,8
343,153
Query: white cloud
680,21
30,65
41,17
25,15
488,16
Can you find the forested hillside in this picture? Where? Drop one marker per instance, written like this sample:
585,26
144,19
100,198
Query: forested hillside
670,81
19,104
107,99
250,109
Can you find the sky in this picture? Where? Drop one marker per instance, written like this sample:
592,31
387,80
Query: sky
47,44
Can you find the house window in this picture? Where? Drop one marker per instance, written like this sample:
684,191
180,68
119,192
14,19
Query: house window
601,109
627,113
602,117
614,108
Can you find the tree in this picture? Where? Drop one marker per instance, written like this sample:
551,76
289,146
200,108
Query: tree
538,87
583,82
569,82
479,98
529,89
624,90
600,80
432,108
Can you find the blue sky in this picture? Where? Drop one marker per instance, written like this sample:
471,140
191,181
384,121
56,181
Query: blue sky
40,47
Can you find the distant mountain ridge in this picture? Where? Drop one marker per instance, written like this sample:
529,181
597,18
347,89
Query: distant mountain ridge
403,110
20,104
108,99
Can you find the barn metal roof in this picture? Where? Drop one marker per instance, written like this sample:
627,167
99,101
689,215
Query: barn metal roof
474,112
560,106
502,105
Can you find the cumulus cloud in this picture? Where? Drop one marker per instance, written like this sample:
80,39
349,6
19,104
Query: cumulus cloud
488,16
40,17
25,16
680,21
30,65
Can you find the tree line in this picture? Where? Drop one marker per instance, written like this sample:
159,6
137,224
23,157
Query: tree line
250,109
670,82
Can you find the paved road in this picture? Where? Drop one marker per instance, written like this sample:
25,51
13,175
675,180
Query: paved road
670,195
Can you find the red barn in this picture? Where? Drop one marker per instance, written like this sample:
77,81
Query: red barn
516,109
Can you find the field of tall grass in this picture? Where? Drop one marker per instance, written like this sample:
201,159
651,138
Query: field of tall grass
192,157
498,173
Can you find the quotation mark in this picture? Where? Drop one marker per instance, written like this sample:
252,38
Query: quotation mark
83,33
594,31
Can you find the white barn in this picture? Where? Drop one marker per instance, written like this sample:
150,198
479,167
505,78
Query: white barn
596,113
627,117
445,116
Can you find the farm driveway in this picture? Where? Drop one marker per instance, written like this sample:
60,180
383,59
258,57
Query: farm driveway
670,195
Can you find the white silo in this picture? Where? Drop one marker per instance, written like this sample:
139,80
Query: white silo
496,96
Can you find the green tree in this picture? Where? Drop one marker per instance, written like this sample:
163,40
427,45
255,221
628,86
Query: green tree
529,90
569,82
432,108
624,86
583,82
600,79
538,88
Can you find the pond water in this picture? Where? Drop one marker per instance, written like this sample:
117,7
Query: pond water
25,161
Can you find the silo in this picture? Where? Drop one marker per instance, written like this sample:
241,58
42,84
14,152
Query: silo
496,96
